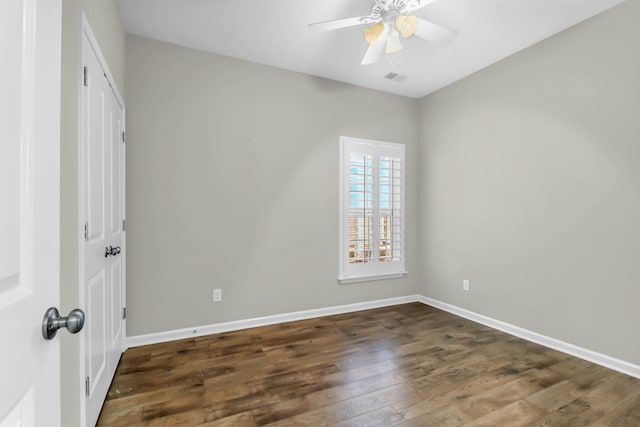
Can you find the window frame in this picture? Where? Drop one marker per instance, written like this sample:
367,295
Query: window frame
376,269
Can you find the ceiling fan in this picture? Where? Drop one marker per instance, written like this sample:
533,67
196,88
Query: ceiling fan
391,19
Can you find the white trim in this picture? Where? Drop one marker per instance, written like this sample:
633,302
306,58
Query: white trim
553,343
235,325
371,277
80,225
216,328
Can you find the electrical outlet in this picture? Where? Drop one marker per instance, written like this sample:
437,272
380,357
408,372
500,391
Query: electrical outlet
465,285
217,295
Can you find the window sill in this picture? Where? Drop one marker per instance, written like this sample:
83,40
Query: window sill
369,278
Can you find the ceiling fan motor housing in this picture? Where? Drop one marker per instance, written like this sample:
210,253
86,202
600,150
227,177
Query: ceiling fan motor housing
388,10
382,6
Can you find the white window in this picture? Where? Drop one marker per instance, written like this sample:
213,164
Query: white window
371,210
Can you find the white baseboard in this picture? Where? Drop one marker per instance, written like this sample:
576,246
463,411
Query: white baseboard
574,350
178,334
565,347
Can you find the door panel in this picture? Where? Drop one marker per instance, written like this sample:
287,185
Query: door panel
115,114
96,337
10,163
22,413
96,179
29,213
116,311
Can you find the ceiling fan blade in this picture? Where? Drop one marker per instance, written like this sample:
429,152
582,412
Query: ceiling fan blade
337,24
417,5
375,50
434,33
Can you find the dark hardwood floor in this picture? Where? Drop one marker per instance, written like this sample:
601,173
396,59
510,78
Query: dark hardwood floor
408,365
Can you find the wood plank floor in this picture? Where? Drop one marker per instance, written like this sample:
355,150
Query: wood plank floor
407,365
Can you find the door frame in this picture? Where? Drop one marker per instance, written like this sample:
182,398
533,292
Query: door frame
88,36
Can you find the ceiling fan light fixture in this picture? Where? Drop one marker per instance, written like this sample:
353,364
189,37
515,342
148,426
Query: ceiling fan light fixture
387,21
393,42
372,33
407,25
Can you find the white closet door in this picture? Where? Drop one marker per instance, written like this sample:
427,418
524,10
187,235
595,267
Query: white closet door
103,248
115,215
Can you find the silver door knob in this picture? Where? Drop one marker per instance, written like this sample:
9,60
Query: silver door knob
110,250
52,322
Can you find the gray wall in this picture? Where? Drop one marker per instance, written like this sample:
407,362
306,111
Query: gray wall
232,172
529,186
103,18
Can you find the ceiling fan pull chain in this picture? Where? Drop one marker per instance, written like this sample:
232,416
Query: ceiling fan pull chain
394,62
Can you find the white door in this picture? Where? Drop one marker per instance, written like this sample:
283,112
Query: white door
103,249
30,44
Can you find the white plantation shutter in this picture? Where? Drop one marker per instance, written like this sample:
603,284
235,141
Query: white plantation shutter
390,205
361,192
371,210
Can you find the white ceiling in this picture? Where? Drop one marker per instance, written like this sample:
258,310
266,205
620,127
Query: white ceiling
274,32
